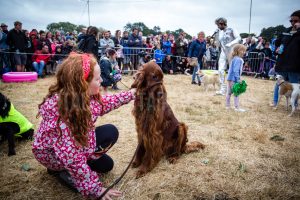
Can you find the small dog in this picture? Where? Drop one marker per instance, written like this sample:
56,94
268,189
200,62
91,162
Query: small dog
290,91
209,79
159,132
9,124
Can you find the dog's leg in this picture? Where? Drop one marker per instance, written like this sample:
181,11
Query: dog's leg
179,144
139,156
149,161
11,143
146,166
287,103
293,103
278,102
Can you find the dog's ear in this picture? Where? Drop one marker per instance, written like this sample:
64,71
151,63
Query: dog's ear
138,79
4,106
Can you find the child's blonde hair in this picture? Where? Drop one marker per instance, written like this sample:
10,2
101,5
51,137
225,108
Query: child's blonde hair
238,50
72,89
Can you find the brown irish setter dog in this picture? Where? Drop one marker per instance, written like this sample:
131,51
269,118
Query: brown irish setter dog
159,132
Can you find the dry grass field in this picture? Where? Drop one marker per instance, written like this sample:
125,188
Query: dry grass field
240,160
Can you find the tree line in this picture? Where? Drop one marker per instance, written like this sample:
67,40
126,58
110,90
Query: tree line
267,33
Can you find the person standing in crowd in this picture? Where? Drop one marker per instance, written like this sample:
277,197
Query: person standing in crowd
197,50
17,42
90,41
135,42
268,63
117,41
81,34
166,45
106,42
288,50
4,48
226,37
126,52
158,55
180,46
42,40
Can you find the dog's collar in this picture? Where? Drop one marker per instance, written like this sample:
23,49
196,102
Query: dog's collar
281,83
157,83
201,76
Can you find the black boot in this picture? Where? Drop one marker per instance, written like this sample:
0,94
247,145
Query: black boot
65,179
115,87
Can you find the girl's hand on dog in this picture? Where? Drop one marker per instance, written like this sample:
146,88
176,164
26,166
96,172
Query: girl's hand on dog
133,91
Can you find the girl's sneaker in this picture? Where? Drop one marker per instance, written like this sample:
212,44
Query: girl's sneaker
239,110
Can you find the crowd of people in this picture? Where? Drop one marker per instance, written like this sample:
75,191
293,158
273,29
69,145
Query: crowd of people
42,51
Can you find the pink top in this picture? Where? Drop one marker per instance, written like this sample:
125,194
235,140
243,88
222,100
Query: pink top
60,152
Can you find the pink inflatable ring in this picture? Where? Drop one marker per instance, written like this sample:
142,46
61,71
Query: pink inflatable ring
19,77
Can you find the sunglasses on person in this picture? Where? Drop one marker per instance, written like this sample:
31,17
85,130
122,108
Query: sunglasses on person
294,21
222,24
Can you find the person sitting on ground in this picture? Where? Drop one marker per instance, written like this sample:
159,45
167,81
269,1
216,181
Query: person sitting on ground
182,65
40,59
109,70
67,142
144,58
168,65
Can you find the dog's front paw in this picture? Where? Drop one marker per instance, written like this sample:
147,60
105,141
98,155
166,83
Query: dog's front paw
140,173
11,153
173,159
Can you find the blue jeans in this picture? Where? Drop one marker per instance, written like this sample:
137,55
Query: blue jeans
289,76
39,67
196,68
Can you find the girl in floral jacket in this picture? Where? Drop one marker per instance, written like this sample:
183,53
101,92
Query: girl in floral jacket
67,142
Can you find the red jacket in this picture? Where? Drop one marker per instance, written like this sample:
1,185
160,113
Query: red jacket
39,56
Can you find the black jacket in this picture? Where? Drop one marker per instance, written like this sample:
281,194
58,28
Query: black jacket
289,60
106,71
16,40
91,45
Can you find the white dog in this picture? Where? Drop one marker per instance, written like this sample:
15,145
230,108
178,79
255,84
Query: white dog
209,79
290,91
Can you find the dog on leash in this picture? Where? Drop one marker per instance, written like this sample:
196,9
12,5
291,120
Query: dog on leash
291,91
208,79
12,124
159,132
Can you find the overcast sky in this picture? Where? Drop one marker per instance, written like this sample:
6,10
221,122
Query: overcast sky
190,15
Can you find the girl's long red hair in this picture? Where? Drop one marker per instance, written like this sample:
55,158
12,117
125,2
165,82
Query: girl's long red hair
73,96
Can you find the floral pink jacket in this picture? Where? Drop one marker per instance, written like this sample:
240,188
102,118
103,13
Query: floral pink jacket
60,152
